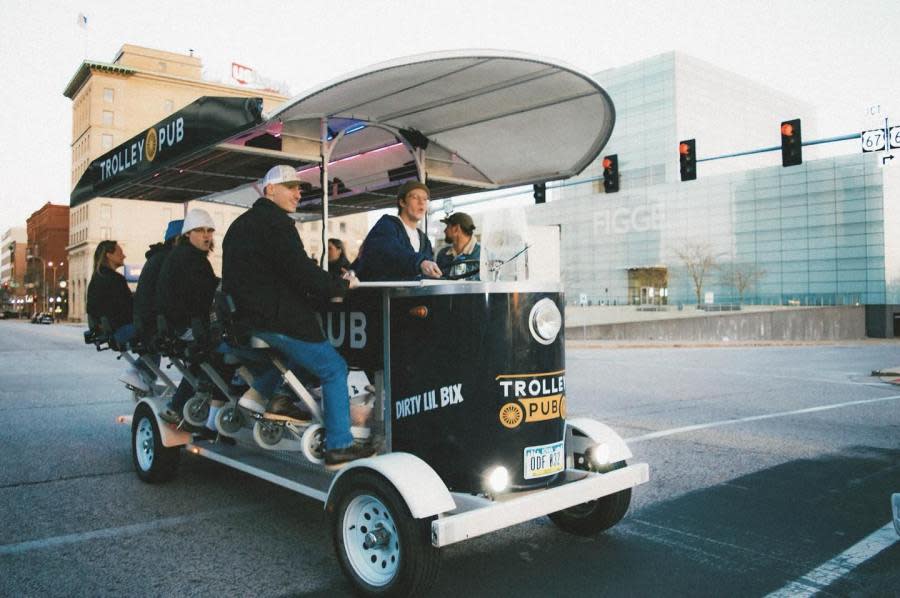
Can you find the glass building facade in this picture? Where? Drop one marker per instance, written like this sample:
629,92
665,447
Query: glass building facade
822,233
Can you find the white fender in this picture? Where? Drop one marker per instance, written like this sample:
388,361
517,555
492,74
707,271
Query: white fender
423,491
170,435
582,432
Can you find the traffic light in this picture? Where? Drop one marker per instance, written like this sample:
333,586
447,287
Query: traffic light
687,155
611,173
791,144
540,192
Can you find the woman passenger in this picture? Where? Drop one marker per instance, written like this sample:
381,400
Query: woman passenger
108,296
338,264
184,292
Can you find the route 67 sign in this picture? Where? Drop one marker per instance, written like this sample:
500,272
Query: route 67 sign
874,140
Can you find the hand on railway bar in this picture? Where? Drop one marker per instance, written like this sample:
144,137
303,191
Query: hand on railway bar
430,269
350,277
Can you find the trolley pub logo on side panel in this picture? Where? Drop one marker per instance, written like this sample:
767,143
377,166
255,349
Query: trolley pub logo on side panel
532,397
144,150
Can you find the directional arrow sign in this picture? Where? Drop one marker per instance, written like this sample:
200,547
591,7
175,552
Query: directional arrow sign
873,141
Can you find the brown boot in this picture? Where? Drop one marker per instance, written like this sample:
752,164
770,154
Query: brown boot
334,458
282,408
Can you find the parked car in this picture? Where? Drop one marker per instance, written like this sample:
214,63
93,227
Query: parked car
42,318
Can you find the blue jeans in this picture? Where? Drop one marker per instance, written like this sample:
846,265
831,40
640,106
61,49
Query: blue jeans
323,361
123,334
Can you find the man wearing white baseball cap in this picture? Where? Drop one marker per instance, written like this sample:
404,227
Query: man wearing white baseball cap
275,287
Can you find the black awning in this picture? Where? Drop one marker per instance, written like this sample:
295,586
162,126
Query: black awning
143,166
384,198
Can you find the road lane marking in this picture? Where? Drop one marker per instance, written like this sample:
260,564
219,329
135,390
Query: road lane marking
740,420
827,573
115,532
84,476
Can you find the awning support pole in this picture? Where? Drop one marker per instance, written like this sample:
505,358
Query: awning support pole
323,183
419,156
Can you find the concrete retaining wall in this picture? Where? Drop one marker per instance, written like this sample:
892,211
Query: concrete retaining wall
804,324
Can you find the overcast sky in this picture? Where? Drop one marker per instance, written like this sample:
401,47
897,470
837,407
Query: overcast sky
840,56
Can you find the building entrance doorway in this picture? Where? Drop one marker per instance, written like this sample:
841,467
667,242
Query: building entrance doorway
648,285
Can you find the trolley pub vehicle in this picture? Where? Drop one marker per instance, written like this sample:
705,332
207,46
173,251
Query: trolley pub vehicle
465,380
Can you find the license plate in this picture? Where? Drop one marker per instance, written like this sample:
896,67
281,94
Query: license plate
543,460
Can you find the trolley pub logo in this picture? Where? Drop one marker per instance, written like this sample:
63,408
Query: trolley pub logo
156,140
532,397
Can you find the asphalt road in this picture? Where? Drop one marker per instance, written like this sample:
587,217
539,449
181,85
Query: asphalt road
768,465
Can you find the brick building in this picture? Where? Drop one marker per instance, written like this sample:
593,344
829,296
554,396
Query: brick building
47,261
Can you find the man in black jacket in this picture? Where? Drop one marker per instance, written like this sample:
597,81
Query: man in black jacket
276,287
145,308
184,293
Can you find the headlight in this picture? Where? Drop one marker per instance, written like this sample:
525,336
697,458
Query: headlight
545,321
600,454
498,479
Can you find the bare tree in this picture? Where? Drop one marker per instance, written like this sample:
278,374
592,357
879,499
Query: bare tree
699,261
741,277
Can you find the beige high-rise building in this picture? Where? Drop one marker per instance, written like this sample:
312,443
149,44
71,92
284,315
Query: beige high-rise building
13,245
112,102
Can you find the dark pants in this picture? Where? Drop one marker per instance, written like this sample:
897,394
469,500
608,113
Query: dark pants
185,391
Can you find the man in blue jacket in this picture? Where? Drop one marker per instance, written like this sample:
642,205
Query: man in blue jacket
395,249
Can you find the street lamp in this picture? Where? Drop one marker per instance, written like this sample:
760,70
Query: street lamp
43,276
63,298
54,266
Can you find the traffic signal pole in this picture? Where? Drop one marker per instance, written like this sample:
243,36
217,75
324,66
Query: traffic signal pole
777,148
571,183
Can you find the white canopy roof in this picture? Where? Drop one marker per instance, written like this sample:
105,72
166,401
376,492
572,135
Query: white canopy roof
512,118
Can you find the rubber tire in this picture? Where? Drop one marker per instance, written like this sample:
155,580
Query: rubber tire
312,443
233,425
190,409
420,562
165,459
260,438
591,518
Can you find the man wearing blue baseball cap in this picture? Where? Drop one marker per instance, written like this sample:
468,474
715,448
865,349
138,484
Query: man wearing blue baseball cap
145,308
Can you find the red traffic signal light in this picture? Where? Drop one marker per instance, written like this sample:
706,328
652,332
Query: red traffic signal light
791,143
687,158
611,173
